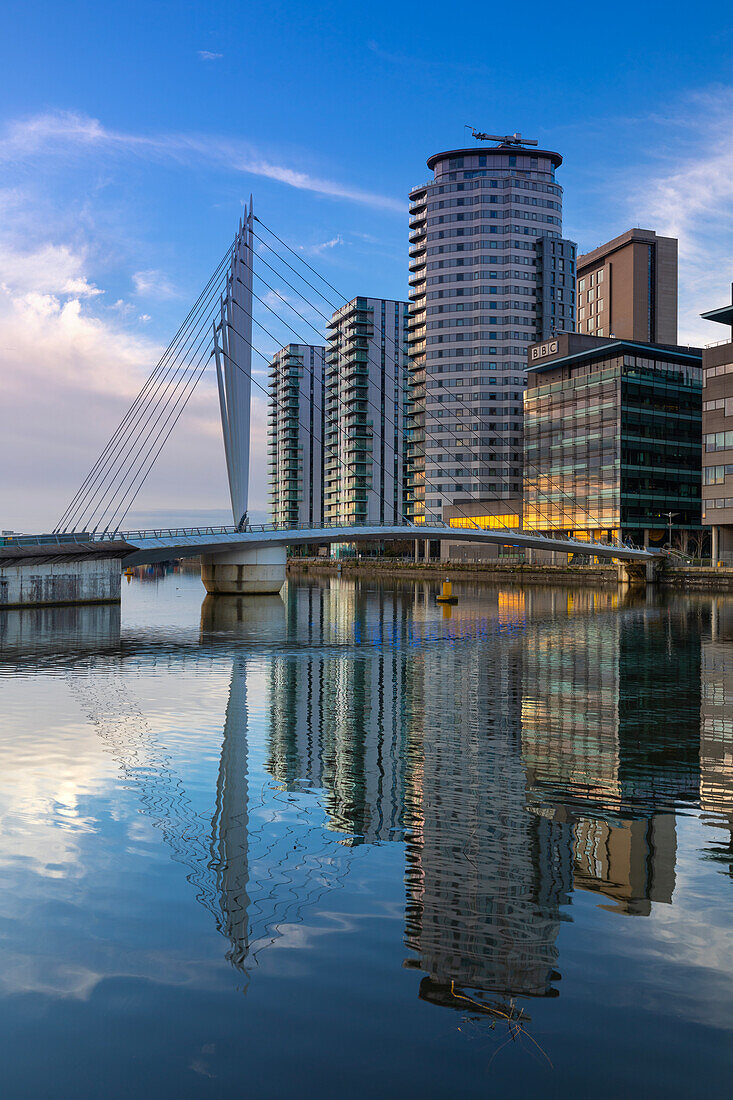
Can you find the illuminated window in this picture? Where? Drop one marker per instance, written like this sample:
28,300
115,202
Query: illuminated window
491,523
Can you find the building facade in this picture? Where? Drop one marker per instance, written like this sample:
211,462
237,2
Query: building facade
364,399
612,440
627,288
295,434
717,429
489,274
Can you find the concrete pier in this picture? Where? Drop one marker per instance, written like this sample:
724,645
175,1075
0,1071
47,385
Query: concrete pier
45,575
259,571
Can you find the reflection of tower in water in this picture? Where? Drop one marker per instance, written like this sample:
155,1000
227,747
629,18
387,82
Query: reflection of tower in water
337,707
485,878
230,824
610,713
716,723
270,860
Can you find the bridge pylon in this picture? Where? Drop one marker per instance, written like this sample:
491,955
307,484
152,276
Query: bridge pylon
239,572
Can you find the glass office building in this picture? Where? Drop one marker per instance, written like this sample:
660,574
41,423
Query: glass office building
612,440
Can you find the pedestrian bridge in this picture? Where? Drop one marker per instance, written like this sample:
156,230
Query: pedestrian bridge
146,547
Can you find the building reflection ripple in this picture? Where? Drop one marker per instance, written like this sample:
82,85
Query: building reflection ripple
518,747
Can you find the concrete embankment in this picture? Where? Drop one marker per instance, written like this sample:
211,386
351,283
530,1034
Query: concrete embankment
592,575
693,579
44,575
698,579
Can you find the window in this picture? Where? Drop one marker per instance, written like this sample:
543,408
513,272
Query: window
599,276
581,284
718,441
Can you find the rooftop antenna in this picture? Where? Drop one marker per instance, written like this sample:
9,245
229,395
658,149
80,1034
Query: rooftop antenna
507,139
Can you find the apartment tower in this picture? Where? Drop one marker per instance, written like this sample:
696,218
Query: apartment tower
489,274
717,437
364,399
295,435
628,288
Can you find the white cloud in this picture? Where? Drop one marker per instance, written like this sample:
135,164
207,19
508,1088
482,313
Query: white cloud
317,249
49,269
67,133
154,284
690,197
70,368
206,55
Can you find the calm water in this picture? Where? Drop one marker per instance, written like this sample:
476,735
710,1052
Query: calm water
348,843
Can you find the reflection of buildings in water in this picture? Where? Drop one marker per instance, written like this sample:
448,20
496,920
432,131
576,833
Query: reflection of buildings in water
156,571
716,720
337,720
610,715
631,862
256,867
485,879
27,631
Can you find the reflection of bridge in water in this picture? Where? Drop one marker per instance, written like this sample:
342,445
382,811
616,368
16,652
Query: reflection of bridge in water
515,763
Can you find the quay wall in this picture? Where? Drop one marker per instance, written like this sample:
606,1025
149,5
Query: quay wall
60,582
693,579
699,579
594,575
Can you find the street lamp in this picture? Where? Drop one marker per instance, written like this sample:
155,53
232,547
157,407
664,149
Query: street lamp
669,524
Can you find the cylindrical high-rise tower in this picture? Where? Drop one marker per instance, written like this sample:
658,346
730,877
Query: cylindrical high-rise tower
489,275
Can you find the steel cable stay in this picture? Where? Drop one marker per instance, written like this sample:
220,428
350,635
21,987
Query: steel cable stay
158,400
452,432
113,504
132,413
167,386
184,378
256,383
414,530
122,507
123,497
310,373
444,429
387,420
595,519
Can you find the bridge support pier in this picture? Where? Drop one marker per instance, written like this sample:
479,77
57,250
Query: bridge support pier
637,574
256,572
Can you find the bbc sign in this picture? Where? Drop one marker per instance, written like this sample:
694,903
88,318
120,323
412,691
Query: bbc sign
539,351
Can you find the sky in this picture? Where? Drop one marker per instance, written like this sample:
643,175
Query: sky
132,133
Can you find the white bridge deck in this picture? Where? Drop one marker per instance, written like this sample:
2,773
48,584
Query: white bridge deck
146,547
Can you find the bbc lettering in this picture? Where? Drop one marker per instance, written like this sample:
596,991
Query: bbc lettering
539,351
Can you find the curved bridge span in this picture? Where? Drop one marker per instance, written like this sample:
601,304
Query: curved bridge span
146,547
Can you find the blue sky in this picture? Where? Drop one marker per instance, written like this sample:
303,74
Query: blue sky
131,133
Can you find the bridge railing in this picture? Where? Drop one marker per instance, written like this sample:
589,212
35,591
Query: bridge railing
172,533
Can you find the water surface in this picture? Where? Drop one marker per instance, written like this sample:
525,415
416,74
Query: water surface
348,842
